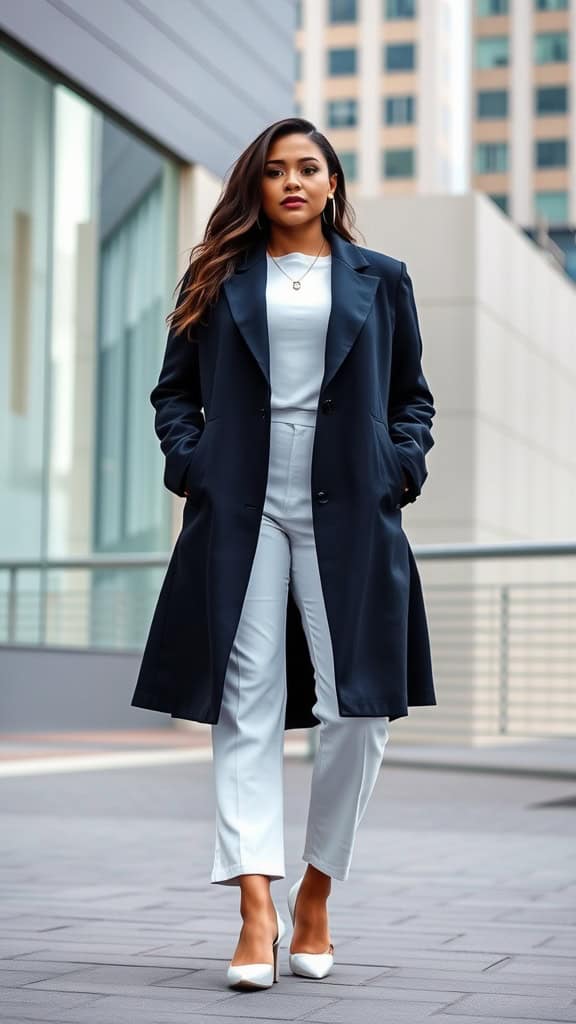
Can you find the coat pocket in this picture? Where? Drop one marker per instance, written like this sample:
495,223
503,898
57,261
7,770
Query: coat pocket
197,460
391,458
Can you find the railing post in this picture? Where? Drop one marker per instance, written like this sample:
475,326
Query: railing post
12,596
503,689
43,609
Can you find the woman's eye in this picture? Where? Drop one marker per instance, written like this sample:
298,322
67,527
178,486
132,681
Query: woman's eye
274,171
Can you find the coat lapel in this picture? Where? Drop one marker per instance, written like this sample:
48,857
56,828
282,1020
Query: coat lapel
353,293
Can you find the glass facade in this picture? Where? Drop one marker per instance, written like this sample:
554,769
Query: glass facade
551,47
492,104
492,51
551,99
398,163
488,8
551,5
500,200
342,61
399,57
88,247
491,157
349,161
342,11
553,206
551,152
397,9
399,109
342,113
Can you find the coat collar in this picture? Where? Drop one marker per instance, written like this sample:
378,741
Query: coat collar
353,293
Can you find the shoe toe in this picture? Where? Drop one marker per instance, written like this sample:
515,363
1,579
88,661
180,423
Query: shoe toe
311,965
251,975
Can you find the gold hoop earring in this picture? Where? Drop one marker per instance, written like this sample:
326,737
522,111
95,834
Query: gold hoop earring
332,221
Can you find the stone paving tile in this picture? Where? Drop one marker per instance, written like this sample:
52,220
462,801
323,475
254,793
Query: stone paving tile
500,940
245,1005
344,977
15,979
375,1012
53,1001
448,1017
550,966
461,906
510,984
542,1008
114,975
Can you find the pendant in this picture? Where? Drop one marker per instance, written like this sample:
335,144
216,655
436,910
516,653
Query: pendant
296,285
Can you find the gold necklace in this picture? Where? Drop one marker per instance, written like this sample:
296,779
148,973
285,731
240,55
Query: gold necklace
297,282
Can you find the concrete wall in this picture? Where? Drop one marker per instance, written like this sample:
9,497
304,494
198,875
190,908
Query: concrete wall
201,79
49,689
497,318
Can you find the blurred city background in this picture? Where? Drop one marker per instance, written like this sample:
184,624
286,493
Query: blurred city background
455,121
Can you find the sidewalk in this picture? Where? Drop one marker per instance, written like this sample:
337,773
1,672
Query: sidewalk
42,753
460,907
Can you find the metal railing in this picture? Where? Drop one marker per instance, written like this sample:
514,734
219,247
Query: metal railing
503,649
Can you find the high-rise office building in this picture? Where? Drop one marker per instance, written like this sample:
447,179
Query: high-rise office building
447,95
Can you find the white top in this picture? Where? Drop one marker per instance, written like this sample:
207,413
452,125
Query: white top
297,324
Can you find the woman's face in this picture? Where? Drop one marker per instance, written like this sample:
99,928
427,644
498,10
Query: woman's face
296,167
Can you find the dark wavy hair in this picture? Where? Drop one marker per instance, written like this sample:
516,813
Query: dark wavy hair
237,221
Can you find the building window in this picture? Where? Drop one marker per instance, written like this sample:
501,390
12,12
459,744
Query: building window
492,103
492,51
349,165
487,8
551,5
297,108
342,10
551,47
551,152
298,13
553,205
297,65
399,109
396,9
500,200
342,113
88,255
398,163
342,61
551,99
399,56
491,157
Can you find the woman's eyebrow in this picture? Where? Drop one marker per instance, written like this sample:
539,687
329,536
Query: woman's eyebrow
299,159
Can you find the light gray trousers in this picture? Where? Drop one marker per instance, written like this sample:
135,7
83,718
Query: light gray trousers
248,739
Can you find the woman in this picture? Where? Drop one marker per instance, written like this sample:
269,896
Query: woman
292,597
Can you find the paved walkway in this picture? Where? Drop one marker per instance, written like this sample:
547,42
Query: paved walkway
460,908
49,752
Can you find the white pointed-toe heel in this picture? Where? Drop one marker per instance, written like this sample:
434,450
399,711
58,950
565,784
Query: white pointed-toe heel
308,965
249,976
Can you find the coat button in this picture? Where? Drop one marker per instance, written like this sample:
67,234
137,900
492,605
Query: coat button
322,497
262,412
327,405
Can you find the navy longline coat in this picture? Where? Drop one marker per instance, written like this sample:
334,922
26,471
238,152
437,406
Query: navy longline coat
374,420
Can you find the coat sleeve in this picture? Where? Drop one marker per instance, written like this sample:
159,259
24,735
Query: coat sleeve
410,406
177,399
